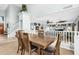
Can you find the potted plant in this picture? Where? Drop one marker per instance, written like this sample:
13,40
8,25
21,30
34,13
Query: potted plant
24,7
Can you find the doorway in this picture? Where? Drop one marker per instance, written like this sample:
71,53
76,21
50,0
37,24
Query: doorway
1,25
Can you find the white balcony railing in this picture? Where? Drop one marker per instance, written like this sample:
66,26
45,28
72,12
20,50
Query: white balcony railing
67,40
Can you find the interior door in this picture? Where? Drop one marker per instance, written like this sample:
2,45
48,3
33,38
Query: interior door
1,28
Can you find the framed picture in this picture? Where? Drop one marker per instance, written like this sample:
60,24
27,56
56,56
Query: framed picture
37,27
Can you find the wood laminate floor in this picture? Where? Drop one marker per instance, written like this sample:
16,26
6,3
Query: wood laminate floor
9,47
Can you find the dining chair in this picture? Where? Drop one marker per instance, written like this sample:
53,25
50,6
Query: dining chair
26,43
53,49
20,44
41,33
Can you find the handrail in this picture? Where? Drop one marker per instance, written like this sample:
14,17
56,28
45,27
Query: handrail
68,36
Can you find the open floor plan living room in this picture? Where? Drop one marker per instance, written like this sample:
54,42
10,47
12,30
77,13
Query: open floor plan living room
39,29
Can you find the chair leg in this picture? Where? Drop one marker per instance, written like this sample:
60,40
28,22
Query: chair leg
29,52
54,53
23,52
29,48
18,50
39,51
58,53
42,53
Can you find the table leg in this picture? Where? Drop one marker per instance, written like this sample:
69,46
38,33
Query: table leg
30,48
39,51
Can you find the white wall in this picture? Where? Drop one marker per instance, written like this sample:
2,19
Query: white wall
12,16
1,20
2,13
26,21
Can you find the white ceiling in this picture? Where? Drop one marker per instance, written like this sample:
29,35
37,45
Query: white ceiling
3,7
55,11
45,9
35,9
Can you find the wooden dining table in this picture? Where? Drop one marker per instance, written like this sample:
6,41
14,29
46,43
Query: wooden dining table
41,42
